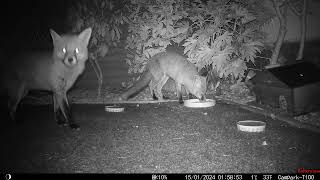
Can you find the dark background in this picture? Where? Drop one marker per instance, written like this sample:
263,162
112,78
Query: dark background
26,24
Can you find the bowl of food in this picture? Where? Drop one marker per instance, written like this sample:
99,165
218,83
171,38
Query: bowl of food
113,108
196,103
251,126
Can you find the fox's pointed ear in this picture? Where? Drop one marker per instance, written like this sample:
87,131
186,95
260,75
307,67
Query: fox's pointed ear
55,37
85,35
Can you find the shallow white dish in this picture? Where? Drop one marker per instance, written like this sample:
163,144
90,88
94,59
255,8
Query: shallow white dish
251,126
196,103
113,108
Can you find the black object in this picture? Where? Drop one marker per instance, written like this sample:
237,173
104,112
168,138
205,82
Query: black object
294,88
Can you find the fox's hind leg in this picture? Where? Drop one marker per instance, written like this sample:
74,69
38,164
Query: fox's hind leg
62,110
152,87
15,96
160,85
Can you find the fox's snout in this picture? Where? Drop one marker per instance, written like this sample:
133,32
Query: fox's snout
70,60
201,97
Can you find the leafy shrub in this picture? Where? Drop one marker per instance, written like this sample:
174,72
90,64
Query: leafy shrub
153,25
220,34
105,17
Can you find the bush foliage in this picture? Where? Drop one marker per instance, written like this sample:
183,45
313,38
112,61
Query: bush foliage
221,34
105,17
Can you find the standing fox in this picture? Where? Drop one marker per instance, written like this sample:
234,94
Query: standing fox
167,65
56,72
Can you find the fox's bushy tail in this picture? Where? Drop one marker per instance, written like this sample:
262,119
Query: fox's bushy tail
138,86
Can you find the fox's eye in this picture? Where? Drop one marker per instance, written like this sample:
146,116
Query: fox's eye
64,50
76,50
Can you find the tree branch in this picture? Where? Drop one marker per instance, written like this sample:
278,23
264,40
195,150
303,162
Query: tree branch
281,33
293,9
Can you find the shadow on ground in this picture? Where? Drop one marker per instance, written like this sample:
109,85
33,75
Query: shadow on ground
149,138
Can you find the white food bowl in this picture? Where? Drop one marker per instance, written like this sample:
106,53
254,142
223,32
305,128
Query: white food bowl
196,103
113,108
251,126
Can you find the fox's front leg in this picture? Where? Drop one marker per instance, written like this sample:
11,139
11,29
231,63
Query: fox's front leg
179,94
153,91
62,110
159,87
58,114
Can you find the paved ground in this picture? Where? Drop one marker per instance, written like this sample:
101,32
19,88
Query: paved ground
165,137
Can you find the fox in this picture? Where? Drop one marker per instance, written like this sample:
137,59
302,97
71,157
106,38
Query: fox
163,66
54,71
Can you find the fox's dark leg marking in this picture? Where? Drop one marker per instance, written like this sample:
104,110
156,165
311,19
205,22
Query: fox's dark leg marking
153,86
69,118
58,114
63,104
60,117
179,94
165,97
203,98
154,97
63,111
191,96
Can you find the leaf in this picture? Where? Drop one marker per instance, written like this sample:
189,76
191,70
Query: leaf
248,50
190,46
103,50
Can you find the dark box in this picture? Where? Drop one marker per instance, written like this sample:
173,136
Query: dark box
293,88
